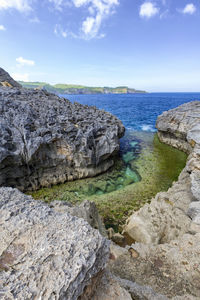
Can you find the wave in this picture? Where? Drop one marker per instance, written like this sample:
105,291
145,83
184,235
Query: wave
146,127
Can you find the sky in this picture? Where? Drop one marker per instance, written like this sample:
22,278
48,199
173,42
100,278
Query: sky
148,45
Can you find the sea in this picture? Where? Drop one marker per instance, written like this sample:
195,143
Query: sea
138,112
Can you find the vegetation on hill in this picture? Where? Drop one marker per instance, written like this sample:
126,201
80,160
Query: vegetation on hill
79,89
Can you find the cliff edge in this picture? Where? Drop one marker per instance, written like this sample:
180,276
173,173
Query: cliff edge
166,232
47,140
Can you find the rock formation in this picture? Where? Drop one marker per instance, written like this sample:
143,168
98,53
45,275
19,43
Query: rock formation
45,254
7,81
87,210
167,231
47,140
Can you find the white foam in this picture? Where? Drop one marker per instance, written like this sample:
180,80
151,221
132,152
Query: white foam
146,127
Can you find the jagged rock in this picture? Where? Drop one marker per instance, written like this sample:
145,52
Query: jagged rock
7,80
106,288
165,218
118,238
168,229
87,210
47,140
45,254
170,269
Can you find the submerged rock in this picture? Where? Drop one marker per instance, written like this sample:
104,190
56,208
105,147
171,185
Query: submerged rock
45,254
47,140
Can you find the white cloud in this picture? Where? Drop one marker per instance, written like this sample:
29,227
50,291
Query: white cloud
20,77
20,5
58,30
98,10
2,28
148,10
189,9
24,62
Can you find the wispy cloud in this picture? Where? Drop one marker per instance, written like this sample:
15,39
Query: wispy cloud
148,10
20,77
20,5
2,28
98,11
190,8
24,62
59,31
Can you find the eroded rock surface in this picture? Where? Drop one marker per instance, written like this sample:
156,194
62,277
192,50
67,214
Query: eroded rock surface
45,254
167,230
7,80
87,210
47,140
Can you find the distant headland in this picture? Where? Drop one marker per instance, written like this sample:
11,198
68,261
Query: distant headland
79,89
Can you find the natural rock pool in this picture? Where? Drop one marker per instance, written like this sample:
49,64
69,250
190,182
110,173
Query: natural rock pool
145,167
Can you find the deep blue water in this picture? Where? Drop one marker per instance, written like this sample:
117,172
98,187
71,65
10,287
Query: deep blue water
137,111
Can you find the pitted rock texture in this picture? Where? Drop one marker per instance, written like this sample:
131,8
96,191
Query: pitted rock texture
47,140
7,80
45,254
180,127
87,210
167,230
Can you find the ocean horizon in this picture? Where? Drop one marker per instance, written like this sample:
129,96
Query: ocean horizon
138,112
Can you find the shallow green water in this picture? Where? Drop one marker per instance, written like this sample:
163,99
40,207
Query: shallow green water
145,168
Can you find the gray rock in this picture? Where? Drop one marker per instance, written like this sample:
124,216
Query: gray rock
47,140
166,232
139,292
106,288
194,209
165,218
87,210
170,269
45,254
6,79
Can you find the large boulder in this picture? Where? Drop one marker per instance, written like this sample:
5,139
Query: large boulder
46,254
47,140
7,81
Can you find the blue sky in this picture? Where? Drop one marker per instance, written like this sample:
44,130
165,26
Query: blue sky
151,45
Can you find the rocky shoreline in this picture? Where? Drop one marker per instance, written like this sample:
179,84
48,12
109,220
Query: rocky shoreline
52,252
48,140
166,232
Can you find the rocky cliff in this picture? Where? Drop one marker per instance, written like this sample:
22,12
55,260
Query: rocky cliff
7,80
47,140
166,232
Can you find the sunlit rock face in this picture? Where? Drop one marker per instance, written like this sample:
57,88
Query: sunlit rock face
45,254
47,140
6,80
167,230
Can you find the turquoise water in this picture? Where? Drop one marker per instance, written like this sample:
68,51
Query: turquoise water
137,111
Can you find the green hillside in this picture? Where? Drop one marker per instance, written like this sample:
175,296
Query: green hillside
79,89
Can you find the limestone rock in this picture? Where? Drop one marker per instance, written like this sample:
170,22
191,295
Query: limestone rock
166,232
7,80
47,140
45,254
106,288
165,218
170,269
87,210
